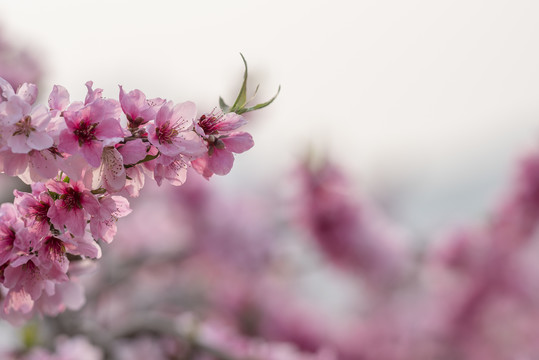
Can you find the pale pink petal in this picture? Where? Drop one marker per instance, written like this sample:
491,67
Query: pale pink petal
122,206
6,90
133,151
231,121
28,92
86,246
91,151
19,301
238,142
109,129
14,110
113,171
15,164
92,95
201,166
44,164
132,102
191,144
74,221
40,117
59,98
18,144
221,161
185,112
39,140
102,109
68,142
164,114
89,203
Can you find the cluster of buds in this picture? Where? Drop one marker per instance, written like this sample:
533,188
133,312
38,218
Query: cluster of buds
83,159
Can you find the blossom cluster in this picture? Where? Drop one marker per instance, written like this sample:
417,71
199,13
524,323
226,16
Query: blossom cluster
83,159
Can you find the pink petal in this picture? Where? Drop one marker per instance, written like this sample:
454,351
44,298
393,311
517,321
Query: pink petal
92,151
90,203
231,121
92,94
109,129
133,151
73,220
68,142
187,111
59,98
201,166
221,161
18,301
122,206
28,92
15,164
39,140
191,144
164,114
18,145
44,164
113,169
238,142
6,90
40,117
132,102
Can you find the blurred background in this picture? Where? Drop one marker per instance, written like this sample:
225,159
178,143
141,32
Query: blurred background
425,102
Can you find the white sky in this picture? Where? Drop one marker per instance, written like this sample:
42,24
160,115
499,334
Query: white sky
435,97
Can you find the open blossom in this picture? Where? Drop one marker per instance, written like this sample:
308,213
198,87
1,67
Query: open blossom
103,224
23,128
74,206
137,108
34,209
172,134
222,142
89,129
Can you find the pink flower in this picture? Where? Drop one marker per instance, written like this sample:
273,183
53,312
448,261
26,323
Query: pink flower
34,210
24,127
10,224
74,205
172,169
221,143
137,108
172,134
103,224
89,129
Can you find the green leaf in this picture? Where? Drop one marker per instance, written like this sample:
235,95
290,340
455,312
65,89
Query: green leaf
242,96
224,107
53,195
259,106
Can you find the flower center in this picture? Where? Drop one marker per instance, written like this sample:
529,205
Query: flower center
39,211
55,248
209,123
166,133
24,126
71,199
85,132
